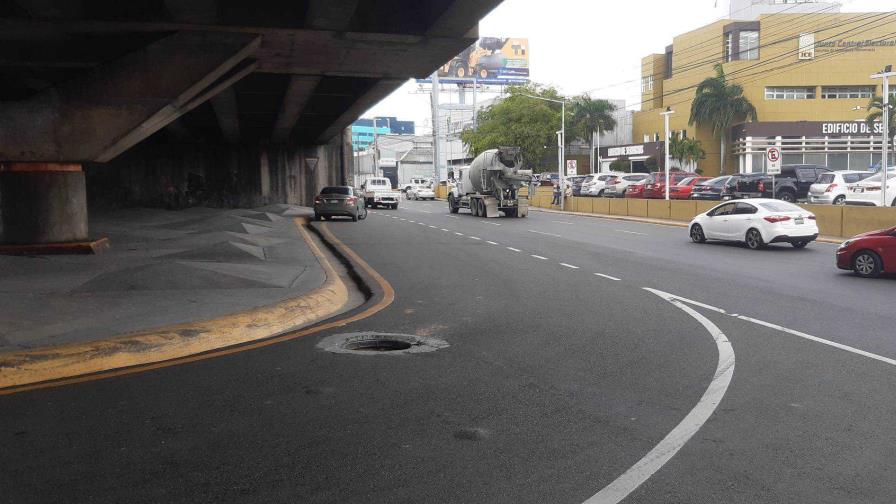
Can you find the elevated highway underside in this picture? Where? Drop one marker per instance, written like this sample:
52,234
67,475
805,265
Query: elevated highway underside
177,102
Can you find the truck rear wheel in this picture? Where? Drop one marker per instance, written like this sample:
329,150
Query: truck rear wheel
452,204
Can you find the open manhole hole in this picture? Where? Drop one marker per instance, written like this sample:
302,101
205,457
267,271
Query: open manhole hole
374,343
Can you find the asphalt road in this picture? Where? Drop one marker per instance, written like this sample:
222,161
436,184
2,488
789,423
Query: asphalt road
557,383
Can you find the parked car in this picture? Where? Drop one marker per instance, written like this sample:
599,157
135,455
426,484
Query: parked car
656,186
714,189
867,192
791,185
830,188
425,192
339,201
638,189
682,190
870,254
576,183
595,184
618,187
756,222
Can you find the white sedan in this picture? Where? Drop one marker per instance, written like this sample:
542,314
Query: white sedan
756,222
420,193
867,192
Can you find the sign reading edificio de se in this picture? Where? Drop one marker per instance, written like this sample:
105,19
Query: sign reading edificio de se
851,128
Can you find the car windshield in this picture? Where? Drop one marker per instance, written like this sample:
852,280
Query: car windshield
780,206
347,191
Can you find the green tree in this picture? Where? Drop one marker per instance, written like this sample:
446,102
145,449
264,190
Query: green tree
591,116
687,151
876,113
719,104
519,121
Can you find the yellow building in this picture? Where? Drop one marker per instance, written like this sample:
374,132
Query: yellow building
808,75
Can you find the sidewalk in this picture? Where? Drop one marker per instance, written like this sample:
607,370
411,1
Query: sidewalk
163,268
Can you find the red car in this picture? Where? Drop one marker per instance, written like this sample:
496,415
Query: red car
656,184
682,190
870,254
637,190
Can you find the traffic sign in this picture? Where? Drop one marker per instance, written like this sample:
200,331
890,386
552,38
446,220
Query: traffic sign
571,168
773,161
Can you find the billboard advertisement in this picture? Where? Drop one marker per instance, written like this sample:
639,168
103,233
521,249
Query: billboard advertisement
491,60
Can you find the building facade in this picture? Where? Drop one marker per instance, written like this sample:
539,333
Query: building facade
808,74
362,130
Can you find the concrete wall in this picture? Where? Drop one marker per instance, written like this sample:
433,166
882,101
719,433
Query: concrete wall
178,175
834,221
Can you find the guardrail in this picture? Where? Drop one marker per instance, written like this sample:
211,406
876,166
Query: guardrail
842,221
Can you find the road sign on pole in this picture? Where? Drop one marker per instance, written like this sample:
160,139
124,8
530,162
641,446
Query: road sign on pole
571,168
773,161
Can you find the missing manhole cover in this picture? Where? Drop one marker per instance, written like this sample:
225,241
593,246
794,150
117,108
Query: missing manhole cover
373,343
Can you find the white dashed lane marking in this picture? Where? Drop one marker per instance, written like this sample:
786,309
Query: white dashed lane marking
631,232
608,277
475,238
545,234
540,257
458,234
491,243
514,249
570,266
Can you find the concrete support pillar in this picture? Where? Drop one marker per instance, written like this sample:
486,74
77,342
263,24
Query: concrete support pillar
43,203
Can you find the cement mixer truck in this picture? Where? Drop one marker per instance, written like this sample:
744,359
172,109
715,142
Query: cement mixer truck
492,184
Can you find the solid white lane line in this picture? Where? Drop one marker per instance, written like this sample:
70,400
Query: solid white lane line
540,257
491,243
570,266
783,329
624,485
546,234
513,249
816,339
474,238
608,277
631,232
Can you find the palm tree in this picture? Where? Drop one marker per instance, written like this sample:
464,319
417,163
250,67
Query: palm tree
687,151
719,104
876,113
677,147
592,116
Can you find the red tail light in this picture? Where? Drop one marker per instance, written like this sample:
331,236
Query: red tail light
831,188
352,200
777,218
318,199
761,186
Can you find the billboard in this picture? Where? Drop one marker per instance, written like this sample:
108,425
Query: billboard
491,60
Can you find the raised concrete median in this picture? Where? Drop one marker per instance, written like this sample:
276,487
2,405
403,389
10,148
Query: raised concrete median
174,284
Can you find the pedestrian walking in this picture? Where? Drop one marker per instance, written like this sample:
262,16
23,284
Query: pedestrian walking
556,200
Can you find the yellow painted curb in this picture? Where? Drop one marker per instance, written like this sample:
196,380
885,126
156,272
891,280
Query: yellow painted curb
173,342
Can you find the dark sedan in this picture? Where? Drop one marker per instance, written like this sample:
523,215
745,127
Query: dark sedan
714,189
339,201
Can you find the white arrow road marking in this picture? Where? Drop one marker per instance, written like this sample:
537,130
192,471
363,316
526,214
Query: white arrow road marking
667,448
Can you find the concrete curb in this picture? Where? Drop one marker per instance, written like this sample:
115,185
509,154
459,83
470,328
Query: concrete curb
25,368
660,222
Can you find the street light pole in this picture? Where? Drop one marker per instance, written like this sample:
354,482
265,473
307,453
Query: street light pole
666,115
561,147
885,148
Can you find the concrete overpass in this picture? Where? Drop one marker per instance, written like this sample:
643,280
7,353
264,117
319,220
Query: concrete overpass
175,102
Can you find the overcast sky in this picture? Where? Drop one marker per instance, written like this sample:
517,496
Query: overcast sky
586,45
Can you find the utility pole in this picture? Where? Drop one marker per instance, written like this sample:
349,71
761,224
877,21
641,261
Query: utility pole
434,96
376,151
885,148
666,166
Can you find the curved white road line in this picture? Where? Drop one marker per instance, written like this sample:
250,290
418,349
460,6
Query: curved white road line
667,448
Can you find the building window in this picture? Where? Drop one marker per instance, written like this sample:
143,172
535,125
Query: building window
729,49
845,92
790,93
647,84
749,45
